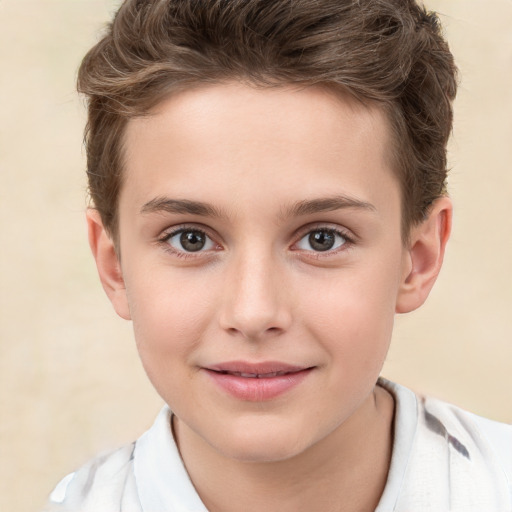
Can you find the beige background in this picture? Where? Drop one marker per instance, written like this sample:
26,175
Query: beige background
70,381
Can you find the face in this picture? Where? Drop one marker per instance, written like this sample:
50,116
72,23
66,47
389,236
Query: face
262,262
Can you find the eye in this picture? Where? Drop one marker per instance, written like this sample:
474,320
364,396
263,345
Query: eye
322,240
189,240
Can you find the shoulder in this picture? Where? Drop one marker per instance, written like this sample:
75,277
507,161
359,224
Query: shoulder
105,483
445,458
424,418
146,475
469,458
491,438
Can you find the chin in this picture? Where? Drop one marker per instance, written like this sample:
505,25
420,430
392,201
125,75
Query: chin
263,443
263,452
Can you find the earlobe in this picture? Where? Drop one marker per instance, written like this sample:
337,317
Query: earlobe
424,256
107,263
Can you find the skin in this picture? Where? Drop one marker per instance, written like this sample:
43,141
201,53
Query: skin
259,291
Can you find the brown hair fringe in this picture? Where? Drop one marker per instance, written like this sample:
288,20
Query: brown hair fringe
388,52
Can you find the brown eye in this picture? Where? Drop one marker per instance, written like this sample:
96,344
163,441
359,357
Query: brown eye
190,240
322,240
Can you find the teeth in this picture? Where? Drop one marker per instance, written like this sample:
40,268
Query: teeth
257,375
246,375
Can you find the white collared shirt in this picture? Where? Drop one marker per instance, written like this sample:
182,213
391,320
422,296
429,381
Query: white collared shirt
444,460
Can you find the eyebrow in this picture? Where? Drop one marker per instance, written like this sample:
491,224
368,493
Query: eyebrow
167,205
300,208
327,204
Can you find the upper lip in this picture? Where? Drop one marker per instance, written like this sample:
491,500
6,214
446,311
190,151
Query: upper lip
265,368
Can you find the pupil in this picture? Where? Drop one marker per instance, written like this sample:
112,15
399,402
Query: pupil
192,241
321,240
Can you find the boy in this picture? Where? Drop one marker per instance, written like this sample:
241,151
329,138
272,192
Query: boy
268,188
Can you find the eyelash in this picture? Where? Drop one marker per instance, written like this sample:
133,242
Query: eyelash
348,241
167,236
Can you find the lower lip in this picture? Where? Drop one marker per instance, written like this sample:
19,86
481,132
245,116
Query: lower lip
258,390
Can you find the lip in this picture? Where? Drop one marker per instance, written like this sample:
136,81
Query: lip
257,382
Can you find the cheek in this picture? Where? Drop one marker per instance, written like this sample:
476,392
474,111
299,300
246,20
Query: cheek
353,317
170,313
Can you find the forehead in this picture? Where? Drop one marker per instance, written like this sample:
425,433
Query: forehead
231,141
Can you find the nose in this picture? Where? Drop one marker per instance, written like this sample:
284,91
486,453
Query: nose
256,302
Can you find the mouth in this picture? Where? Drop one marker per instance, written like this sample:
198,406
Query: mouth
257,382
260,370
255,375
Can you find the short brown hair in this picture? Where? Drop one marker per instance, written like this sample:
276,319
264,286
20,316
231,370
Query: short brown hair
389,52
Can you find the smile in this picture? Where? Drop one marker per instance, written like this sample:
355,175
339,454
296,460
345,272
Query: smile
256,375
257,382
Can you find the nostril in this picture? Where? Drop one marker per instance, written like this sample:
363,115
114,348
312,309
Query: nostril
253,334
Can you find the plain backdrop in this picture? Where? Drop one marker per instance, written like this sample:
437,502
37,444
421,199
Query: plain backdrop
70,381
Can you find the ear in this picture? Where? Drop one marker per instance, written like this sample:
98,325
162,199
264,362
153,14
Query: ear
424,256
107,263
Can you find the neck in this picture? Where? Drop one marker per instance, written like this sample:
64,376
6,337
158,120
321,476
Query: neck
346,470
